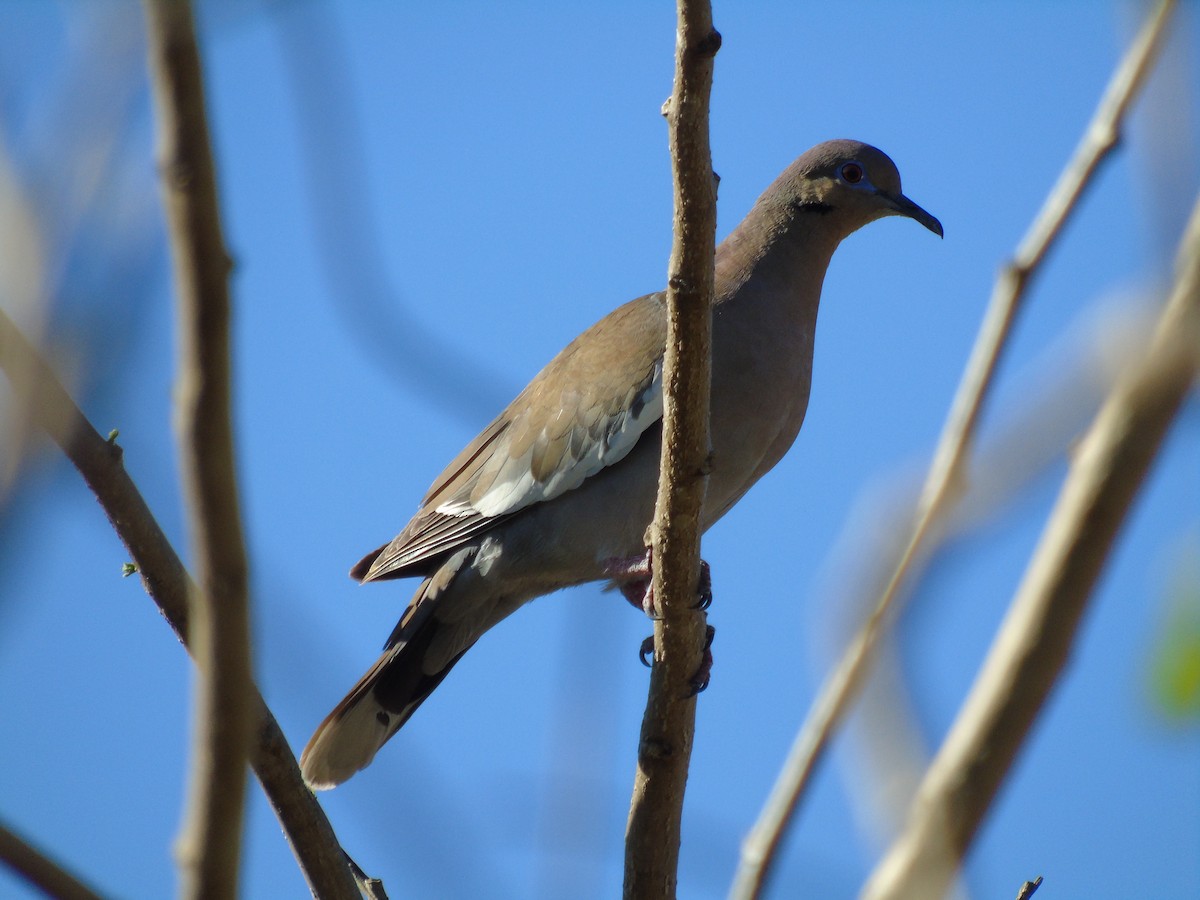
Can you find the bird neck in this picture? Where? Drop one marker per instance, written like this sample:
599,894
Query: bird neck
779,253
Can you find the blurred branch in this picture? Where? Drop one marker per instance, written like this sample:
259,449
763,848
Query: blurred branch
665,746
167,582
346,231
944,483
1050,404
1037,636
22,278
209,849
76,216
40,871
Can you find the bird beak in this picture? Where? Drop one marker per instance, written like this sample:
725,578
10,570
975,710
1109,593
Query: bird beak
905,207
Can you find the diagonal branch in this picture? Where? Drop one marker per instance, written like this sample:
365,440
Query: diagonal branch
40,871
167,582
665,746
209,849
944,483
1036,638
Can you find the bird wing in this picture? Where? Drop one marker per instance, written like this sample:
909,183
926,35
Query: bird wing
582,413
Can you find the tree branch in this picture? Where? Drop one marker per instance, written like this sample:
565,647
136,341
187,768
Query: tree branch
1037,635
40,871
668,726
944,484
167,582
209,849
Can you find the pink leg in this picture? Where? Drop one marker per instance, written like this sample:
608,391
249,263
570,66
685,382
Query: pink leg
633,576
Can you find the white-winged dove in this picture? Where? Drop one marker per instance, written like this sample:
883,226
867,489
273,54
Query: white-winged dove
562,483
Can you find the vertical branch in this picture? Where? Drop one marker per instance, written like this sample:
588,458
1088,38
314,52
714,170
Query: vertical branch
1033,644
665,745
210,846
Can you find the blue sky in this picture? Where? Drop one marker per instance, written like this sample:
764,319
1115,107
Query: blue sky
516,186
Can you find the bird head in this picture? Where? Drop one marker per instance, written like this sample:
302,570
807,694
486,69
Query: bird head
850,182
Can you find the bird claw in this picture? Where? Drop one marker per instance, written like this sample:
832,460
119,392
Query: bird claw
704,591
702,676
646,651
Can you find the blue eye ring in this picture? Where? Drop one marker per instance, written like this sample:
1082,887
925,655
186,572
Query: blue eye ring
852,173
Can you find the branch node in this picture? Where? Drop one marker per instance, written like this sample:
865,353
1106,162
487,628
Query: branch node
177,175
707,46
1028,888
656,748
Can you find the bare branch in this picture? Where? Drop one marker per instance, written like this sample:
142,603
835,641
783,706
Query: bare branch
1099,141
209,849
1054,399
1029,888
99,462
168,584
40,871
305,825
944,482
371,888
668,726
1038,633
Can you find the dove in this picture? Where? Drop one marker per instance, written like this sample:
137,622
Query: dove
559,489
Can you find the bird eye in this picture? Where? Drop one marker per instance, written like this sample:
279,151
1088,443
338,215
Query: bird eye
852,173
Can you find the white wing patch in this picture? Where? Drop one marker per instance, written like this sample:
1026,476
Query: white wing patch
514,486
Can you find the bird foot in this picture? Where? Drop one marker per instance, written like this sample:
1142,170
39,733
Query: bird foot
701,677
704,593
634,577
644,653
703,674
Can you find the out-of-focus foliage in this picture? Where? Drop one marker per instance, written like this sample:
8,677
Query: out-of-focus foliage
1175,665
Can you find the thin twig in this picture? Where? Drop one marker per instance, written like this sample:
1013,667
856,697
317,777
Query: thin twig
1056,397
944,482
40,871
371,888
167,582
664,748
1037,635
209,849
1029,888
99,462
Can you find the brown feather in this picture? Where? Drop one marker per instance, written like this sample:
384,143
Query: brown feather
598,390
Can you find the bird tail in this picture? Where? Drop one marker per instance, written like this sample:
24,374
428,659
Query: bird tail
382,701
